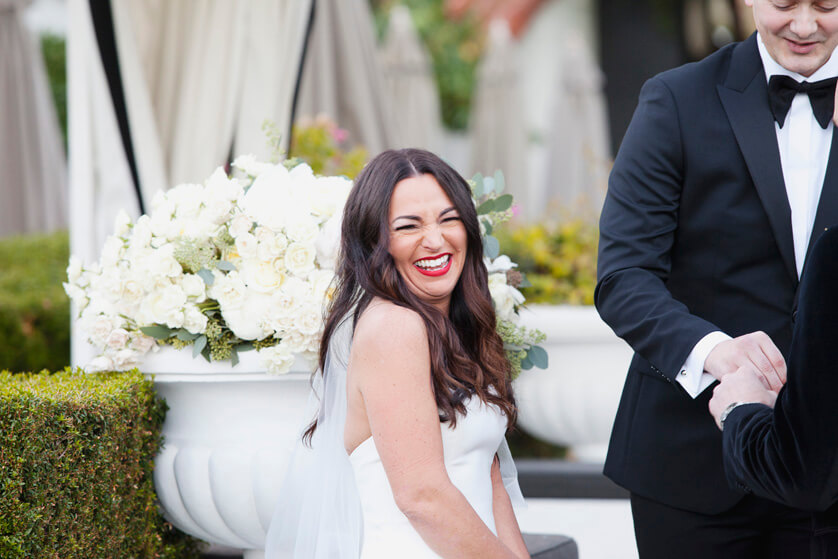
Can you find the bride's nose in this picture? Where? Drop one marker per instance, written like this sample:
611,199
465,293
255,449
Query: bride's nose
432,237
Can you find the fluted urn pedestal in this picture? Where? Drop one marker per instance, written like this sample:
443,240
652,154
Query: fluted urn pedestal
573,402
228,436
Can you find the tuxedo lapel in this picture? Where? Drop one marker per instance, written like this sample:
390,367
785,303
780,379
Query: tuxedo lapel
827,214
744,96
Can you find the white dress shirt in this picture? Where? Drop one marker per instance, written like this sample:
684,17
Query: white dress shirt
804,153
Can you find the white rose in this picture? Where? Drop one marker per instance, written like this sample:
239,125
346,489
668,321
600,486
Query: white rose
194,320
270,199
247,321
99,364
111,252
141,343
74,269
221,187
299,259
328,195
246,245
165,306
310,321
262,276
505,297
250,165
500,264
271,245
101,329
121,223
240,225
141,234
194,287
321,284
77,295
132,292
229,290
277,359
125,359
162,263
117,339
216,211
302,229
328,242
187,199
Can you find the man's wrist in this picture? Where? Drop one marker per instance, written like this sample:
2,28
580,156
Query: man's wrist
730,407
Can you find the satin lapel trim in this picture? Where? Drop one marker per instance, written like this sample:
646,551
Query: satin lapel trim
744,97
827,214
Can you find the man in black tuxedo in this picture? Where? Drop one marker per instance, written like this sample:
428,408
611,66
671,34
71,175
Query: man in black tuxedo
790,453
726,175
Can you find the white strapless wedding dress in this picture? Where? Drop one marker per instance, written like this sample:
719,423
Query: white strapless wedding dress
469,451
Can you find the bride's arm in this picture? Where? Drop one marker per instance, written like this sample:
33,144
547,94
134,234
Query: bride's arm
505,522
390,363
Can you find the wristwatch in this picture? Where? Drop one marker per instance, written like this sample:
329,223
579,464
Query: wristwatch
732,406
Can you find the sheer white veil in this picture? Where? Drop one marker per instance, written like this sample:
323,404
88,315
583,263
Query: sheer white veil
318,515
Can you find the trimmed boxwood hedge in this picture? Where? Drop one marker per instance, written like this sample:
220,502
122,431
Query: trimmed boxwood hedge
34,310
76,460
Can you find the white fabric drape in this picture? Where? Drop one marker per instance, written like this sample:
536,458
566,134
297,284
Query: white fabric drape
498,130
33,192
342,76
410,85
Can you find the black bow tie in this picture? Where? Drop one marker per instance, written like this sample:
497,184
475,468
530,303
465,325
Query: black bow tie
781,92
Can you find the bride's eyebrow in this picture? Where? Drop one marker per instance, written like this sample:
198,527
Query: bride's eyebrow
447,210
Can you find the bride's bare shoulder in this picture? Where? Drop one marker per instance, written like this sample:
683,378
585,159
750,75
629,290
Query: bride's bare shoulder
387,326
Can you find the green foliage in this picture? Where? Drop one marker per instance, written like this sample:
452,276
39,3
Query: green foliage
53,49
34,311
455,48
321,144
76,468
558,260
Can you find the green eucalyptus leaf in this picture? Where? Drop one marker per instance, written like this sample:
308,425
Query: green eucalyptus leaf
185,335
158,331
524,281
500,182
245,346
538,356
234,356
486,207
225,266
488,185
526,364
503,203
491,246
199,346
478,185
488,226
206,275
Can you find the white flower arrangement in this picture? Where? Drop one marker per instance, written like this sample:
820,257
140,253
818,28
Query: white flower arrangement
234,264
246,262
493,209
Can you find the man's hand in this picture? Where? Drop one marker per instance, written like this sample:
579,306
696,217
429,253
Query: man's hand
754,351
743,386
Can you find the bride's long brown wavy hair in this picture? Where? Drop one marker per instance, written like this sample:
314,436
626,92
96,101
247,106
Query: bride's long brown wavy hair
467,355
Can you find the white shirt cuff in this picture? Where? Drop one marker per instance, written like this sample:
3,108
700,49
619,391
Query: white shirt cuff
692,376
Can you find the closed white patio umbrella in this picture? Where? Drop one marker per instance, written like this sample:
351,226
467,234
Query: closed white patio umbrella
410,85
498,133
33,191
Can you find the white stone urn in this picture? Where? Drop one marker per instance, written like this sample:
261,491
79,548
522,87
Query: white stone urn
573,402
228,436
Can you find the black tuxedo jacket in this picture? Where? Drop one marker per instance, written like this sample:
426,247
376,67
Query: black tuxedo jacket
696,236
790,454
